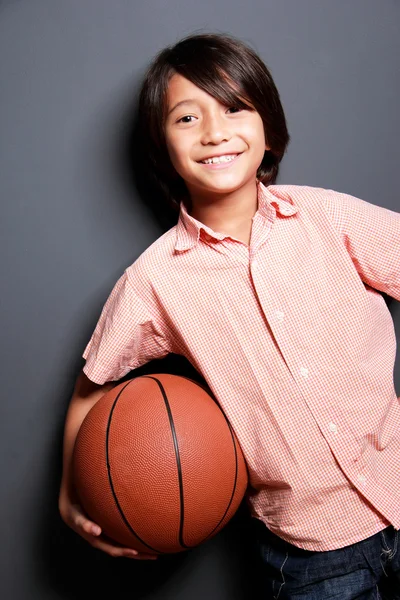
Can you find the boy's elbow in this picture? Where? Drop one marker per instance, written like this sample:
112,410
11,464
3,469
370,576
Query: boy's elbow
85,387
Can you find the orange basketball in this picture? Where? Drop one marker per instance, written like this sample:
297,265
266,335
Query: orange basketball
157,465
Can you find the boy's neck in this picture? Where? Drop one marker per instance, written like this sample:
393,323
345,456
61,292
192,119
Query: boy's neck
226,213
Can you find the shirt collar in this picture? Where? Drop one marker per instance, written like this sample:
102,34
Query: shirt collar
188,229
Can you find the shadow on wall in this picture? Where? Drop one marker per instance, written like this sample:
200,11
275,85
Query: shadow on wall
68,565
134,170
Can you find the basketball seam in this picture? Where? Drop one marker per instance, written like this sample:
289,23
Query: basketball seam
125,520
178,460
206,389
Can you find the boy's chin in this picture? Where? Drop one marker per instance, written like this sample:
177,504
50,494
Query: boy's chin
223,187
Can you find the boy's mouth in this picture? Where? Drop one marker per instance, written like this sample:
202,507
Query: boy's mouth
215,160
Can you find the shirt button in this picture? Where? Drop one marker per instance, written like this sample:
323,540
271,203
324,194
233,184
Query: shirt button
285,211
361,478
333,427
304,372
280,315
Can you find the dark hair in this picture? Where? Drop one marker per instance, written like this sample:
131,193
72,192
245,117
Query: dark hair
229,71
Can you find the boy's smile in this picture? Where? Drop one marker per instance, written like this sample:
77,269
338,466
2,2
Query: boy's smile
215,148
220,162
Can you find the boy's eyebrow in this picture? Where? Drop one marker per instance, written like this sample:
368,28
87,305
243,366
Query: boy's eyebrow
188,101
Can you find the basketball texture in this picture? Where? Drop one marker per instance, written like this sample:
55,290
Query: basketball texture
157,465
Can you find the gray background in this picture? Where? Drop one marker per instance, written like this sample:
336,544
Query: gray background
71,221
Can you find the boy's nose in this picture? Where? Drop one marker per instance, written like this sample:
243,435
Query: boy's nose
215,131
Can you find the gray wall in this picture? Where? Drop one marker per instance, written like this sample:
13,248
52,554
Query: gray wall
71,221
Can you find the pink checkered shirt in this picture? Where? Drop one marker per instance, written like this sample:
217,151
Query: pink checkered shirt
295,341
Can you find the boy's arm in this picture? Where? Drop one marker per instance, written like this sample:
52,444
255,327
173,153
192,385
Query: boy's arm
371,235
128,334
85,395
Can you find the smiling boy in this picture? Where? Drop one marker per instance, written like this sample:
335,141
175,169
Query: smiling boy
272,293
216,150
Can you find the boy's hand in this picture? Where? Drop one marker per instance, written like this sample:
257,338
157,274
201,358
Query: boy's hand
73,515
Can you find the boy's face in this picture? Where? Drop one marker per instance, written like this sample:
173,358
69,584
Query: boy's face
199,127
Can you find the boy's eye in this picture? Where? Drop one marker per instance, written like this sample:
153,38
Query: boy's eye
189,118
185,119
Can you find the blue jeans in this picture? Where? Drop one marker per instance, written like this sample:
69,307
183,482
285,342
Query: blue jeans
367,570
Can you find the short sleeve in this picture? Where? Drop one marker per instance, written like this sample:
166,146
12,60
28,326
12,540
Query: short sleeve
371,235
127,335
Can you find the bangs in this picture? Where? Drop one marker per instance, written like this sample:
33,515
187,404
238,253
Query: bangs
223,67
217,81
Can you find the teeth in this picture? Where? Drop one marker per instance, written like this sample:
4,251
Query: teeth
219,159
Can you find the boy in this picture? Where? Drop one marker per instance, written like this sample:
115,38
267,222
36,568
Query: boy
271,293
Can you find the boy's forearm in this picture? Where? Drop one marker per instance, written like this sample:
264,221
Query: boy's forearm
86,394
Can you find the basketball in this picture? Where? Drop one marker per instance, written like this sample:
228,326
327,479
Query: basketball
157,465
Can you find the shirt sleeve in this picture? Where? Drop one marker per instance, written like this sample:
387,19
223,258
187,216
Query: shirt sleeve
371,235
126,336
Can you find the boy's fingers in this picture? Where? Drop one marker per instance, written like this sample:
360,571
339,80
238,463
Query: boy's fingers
114,551
118,551
83,522
90,531
91,528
